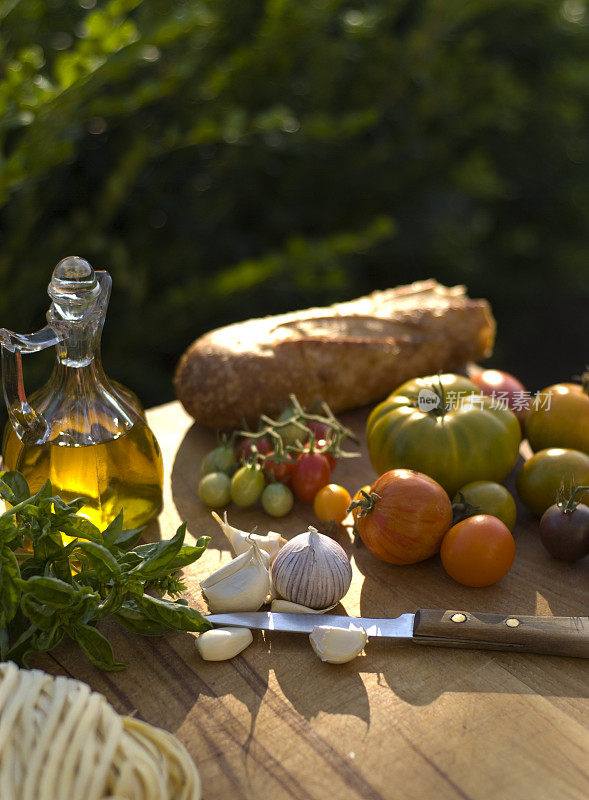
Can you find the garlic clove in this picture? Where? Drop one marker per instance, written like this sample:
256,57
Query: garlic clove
220,644
245,590
311,570
242,589
241,541
337,645
286,607
227,569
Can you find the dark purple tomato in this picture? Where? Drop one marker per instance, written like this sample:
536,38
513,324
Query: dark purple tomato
566,535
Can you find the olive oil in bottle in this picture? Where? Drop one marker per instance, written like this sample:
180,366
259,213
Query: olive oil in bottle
85,433
125,472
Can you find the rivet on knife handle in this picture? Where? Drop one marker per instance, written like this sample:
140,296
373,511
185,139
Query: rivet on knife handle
564,636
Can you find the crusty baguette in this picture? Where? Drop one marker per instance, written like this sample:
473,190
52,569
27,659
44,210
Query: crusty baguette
347,354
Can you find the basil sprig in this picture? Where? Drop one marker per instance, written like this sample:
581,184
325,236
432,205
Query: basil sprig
49,589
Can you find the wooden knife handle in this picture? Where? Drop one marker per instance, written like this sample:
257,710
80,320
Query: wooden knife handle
559,636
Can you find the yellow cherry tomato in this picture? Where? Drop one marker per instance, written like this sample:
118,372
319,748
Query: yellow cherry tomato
331,503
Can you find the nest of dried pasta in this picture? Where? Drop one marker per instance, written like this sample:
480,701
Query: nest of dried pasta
59,740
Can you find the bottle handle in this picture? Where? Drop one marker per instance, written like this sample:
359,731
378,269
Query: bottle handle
28,423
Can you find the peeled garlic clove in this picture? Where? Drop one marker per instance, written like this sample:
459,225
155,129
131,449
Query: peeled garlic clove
337,645
244,589
286,607
311,570
241,541
219,644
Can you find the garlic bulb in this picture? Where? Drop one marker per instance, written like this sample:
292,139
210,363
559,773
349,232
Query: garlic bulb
222,643
241,541
241,585
286,607
337,645
311,570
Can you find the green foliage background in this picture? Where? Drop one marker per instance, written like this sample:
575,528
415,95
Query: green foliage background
227,159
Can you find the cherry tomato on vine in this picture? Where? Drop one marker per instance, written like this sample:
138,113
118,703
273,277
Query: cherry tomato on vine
321,443
331,503
245,449
221,459
277,499
214,489
247,485
280,471
320,430
310,474
478,551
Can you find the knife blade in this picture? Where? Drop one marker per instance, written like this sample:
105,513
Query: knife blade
563,636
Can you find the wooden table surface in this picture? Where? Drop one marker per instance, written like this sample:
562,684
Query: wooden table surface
397,723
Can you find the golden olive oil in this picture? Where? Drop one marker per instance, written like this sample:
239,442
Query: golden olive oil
125,472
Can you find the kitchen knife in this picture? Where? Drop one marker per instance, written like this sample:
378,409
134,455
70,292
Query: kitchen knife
558,636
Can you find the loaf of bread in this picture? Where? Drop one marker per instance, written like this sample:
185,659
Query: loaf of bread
348,354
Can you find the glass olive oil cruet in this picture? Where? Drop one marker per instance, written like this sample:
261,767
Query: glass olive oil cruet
84,432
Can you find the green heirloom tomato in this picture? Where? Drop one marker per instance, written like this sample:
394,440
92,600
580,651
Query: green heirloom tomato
458,440
539,479
489,498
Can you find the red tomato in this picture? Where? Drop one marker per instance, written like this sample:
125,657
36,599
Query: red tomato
504,388
321,443
280,471
310,474
478,551
406,517
245,452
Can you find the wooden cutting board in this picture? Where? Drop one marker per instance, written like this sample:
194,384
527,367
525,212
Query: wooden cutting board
398,723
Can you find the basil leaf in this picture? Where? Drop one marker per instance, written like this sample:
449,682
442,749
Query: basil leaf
13,487
111,603
161,556
4,643
47,640
79,527
60,507
9,530
176,616
40,614
189,553
114,530
101,559
18,651
96,646
9,585
129,538
32,566
52,591
135,621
